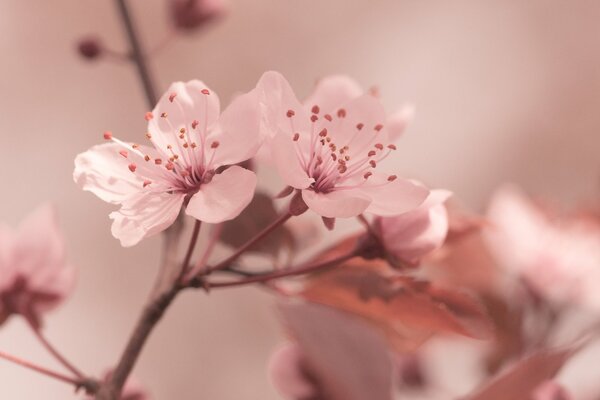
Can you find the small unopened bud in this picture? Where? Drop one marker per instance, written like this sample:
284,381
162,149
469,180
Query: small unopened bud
188,15
90,48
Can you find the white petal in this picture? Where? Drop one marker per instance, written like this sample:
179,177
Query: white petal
393,198
288,163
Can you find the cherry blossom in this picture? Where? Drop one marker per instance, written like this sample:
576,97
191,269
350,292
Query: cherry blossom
412,235
34,274
330,149
186,166
558,257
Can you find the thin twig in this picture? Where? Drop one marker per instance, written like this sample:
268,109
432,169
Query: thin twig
190,250
55,353
42,370
262,234
210,246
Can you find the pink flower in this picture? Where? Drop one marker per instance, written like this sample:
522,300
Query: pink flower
410,236
34,274
287,371
192,145
558,257
330,148
192,14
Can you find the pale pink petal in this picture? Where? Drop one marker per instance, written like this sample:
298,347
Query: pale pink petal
224,198
286,372
336,204
181,104
237,135
144,215
393,198
412,235
103,171
288,162
397,122
276,98
333,92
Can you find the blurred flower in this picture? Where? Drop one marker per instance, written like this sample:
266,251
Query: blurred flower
192,14
410,236
558,257
90,48
550,390
330,149
34,274
288,373
192,144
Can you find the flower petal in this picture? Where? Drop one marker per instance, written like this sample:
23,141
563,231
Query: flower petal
224,198
143,215
104,172
238,134
288,163
397,122
393,198
333,92
276,98
181,104
336,204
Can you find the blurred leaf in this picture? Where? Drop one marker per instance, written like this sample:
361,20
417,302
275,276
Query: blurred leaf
408,311
257,216
519,381
348,360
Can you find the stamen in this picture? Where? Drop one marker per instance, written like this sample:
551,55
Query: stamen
195,123
146,183
172,97
148,116
148,135
132,167
214,145
108,135
372,163
296,137
367,175
323,132
124,153
359,126
158,161
341,113
170,166
392,178
135,145
290,113
328,117
314,118
371,153
379,146
205,91
378,127
315,109
164,115
392,146
147,157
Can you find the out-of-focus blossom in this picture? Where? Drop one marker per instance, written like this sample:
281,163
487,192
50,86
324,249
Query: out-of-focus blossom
192,145
331,147
34,274
410,236
550,390
558,257
192,14
287,371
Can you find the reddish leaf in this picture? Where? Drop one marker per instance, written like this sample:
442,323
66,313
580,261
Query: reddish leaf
257,216
348,360
519,381
407,310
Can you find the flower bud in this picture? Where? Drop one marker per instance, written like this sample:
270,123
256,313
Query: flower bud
90,48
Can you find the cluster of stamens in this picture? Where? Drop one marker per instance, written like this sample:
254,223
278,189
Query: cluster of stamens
186,164
331,164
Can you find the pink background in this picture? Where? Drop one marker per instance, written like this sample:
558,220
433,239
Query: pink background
504,90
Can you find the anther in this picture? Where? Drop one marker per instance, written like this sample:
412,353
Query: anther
148,135
347,158
315,109
164,115
296,137
379,146
378,127
147,157
205,91
108,135
182,130
135,145
392,146
132,167
323,132
367,175
371,153
333,156
290,113
169,147
214,145
148,116
359,126
172,97
328,117
170,166
314,118
193,145
341,113
392,178
124,153
146,183
195,123
158,161
185,145
373,163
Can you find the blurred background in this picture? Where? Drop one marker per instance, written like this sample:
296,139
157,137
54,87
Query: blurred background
504,91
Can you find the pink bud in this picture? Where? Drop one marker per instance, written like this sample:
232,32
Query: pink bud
188,15
90,48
